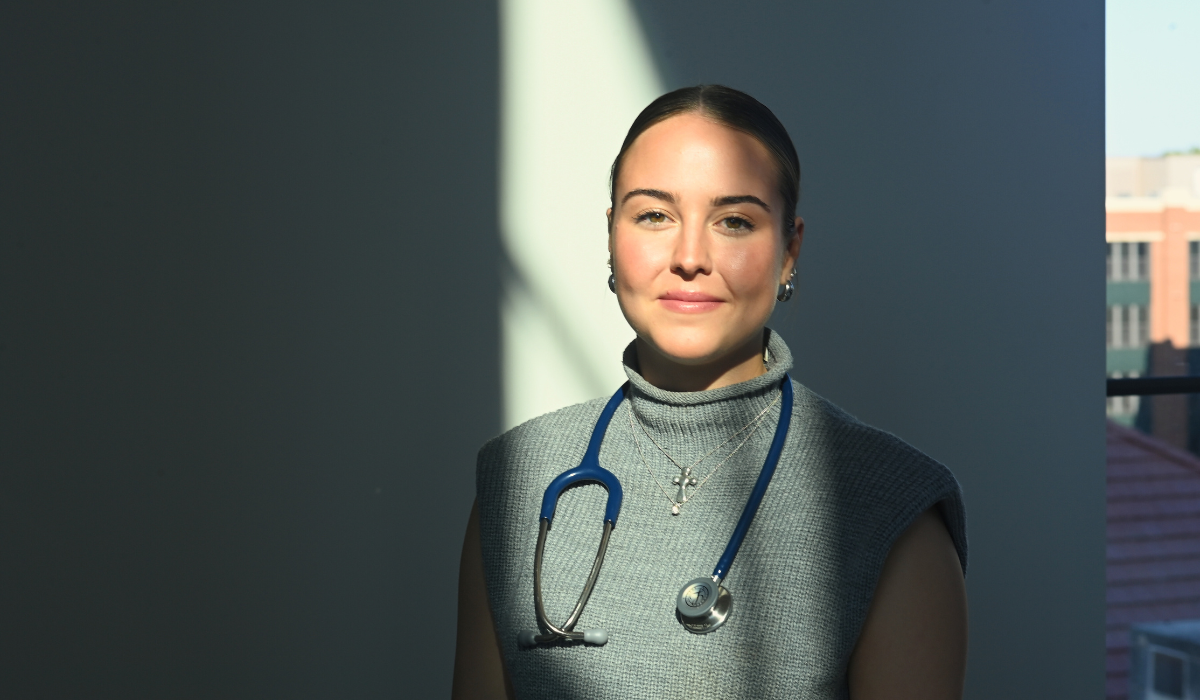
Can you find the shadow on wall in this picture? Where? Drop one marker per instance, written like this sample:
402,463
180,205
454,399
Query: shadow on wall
246,360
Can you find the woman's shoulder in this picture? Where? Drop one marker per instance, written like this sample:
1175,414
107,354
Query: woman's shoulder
871,471
558,432
513,468
846,438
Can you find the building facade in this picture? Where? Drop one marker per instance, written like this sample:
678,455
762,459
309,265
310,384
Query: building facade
1152,227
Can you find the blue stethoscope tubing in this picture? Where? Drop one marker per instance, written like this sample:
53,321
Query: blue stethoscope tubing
760,487
589,470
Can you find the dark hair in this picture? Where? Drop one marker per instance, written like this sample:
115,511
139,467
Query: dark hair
736,110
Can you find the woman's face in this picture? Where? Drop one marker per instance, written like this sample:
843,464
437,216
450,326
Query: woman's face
696,240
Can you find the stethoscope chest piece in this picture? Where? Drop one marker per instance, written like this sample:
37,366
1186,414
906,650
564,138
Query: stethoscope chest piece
703,605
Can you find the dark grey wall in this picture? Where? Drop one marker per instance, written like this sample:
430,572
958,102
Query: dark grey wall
248,325
248,343
951,276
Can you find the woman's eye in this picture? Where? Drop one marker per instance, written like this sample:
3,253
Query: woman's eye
737,223
653,217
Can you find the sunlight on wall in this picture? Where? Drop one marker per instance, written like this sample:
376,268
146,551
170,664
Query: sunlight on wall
575,74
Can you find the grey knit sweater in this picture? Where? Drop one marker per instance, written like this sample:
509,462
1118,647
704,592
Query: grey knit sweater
801,585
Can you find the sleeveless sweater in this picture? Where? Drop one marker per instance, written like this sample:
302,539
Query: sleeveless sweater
802,582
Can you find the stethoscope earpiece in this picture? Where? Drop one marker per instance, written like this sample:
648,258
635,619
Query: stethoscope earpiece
527,639
589,470
703,605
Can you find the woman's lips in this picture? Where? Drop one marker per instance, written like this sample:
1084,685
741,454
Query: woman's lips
689,302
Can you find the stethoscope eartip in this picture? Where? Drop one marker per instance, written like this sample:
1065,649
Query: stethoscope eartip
597,637
528,639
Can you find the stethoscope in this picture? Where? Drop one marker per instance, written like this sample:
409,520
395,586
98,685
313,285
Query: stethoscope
703,604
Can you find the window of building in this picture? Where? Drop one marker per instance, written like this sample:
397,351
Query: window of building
1194,325
1128,326
1168,675
1129,262
1194,260
1115,325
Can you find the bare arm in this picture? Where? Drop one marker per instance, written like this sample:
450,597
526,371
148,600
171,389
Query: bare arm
478,663
914,642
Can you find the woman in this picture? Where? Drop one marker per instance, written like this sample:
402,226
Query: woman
849,582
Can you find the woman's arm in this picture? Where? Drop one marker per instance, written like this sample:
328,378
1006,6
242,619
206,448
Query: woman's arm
914,642
478,664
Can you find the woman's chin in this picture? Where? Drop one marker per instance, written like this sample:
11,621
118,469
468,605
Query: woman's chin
690,350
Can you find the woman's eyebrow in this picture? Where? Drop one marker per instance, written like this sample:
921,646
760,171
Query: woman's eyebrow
740,199
657,194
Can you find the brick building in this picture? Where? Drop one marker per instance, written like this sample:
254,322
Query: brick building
1153,284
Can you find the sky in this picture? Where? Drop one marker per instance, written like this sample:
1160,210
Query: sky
1152,76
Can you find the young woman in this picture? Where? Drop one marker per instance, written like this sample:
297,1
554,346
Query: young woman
849,579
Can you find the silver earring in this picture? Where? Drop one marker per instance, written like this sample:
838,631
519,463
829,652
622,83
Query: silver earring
612,283
786,289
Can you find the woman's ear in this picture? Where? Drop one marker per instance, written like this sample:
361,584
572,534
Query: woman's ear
792,253
608,214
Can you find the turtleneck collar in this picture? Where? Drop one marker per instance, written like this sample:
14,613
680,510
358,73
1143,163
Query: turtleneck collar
778,363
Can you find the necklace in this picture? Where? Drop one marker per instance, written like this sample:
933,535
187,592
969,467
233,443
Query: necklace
685,478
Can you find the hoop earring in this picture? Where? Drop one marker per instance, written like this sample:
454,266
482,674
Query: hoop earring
612,283
787,289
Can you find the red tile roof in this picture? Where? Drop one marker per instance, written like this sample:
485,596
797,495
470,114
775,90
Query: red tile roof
1153,541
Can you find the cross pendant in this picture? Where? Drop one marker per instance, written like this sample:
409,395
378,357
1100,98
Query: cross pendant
683,481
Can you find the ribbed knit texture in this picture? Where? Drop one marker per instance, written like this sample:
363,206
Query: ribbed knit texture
801,585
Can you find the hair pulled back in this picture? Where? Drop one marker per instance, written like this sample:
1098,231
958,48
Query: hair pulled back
736,110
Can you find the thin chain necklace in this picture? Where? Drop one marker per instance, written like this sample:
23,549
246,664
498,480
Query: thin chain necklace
685,478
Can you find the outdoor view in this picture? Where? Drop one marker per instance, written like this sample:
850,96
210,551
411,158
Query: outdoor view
1152,202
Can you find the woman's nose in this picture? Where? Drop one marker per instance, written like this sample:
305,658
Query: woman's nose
691,255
